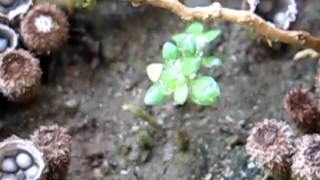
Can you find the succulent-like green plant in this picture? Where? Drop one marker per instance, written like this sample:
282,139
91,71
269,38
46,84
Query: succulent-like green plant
179,74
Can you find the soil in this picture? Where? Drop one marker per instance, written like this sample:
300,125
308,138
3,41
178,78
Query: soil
103,67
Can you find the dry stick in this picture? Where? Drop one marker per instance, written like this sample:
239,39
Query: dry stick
216,11
141,113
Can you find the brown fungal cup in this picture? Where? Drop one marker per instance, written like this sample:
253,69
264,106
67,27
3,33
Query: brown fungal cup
271,145
20,75
20,159
301,107
45,28
56,147
306,161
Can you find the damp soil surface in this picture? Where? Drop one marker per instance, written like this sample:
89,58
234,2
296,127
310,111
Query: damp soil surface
103,67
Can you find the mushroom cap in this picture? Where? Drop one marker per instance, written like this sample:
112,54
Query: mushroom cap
20,75
45,28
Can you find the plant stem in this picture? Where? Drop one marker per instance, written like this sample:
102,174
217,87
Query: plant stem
141,113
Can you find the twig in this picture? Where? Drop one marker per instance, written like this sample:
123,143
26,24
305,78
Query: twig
216,11
141,113
306,53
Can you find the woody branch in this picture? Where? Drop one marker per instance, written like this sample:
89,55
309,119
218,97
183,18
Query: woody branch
216,11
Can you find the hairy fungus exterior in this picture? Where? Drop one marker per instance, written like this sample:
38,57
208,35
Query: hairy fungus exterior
306,161
271,145
56,147
45,28
300,106
20,159
20,75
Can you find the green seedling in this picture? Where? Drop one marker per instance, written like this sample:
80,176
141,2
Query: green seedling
182,140
178,75
144,139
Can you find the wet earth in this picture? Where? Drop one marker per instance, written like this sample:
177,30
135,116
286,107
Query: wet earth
103,67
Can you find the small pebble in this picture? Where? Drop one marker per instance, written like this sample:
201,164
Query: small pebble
9,177
8,165
31,172
71,105
24,160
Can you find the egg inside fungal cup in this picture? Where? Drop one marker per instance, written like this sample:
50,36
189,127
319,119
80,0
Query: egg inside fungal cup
20,160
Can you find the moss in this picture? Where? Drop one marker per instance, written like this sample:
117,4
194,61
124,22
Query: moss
144,139
182,140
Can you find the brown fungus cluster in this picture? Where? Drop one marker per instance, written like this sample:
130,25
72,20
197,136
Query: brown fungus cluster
273,145
43,28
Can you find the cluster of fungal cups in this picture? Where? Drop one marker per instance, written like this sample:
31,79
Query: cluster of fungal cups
46,156
43,29
281,13
289,152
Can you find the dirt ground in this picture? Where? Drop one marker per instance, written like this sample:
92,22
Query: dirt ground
84,88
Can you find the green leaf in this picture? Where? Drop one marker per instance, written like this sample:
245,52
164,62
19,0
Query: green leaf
190,66
181,94
172,76
170,52
212,34
211,61
88,4
205,91
207,37
195,28
156,94
189,47
154,71
179,38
